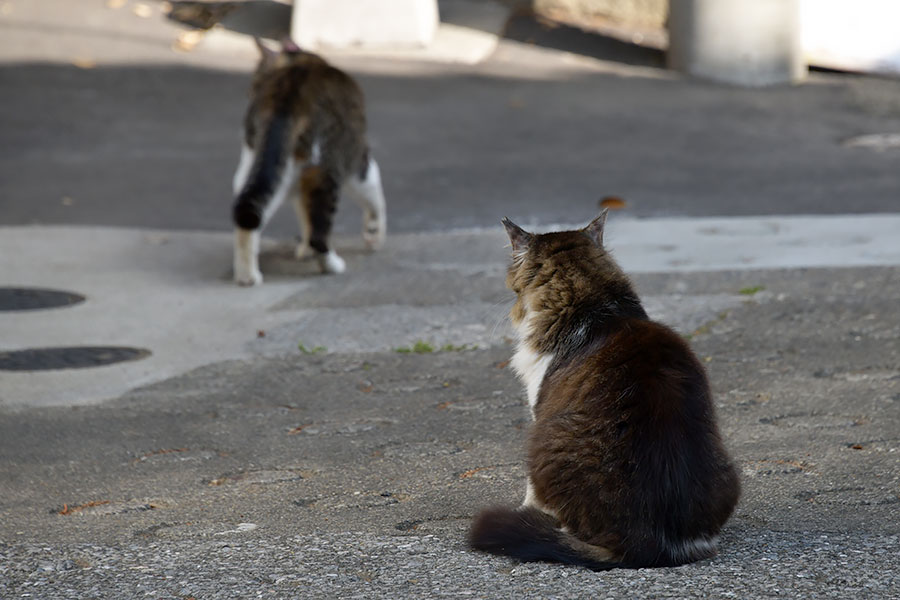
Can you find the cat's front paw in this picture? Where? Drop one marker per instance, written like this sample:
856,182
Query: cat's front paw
248,278
330,262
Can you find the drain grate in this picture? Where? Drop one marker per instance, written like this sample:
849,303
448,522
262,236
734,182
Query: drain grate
71,357
17,298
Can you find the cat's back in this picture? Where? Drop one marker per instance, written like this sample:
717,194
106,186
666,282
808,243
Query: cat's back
306,82
638,396
638,362
324,77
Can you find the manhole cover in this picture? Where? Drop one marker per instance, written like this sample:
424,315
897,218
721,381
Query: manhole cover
72,357
16,298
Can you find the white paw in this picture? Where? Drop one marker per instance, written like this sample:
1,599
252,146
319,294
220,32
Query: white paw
374,240
373,233
302,251
330,262
248,278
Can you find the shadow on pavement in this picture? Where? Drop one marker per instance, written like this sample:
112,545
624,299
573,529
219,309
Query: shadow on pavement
156,146
525,27
270,19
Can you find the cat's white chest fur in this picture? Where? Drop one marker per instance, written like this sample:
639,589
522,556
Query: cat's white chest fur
530,366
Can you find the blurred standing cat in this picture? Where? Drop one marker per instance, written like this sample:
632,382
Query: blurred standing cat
304,137
626,467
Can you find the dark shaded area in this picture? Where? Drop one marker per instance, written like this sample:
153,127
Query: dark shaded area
270,19
157,146
71,357
264,18
15,298
204,15
525,27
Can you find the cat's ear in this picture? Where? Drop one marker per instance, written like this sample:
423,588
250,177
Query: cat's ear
595,229
266,54
289,45
518,237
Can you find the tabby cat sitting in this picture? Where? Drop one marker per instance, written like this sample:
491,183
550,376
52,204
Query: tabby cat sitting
626,467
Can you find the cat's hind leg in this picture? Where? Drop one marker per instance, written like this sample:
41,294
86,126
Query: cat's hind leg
365,188
320,191
252,210
246,251
246,241
243,169
303,250
531,500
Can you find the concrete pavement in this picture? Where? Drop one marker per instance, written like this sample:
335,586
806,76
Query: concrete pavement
170,292
232,463
355,474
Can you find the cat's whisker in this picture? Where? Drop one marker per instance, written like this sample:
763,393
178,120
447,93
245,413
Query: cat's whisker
502,309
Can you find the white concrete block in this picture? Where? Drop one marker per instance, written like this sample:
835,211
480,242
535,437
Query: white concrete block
743,42
364,23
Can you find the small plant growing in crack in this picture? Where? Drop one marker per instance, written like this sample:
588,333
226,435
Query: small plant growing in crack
420,347
462,348
313,350
751,290
706,327
423,347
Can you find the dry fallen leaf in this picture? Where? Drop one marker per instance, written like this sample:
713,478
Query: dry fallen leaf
142,10
187,40
82,62
612,203
471,472
68,510
158,452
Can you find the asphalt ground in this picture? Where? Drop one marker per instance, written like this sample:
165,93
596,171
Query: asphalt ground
233,463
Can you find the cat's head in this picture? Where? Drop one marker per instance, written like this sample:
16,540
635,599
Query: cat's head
553,272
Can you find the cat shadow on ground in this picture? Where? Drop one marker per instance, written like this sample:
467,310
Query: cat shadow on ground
278,262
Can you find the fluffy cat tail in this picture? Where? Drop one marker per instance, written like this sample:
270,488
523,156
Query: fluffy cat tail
265,174
530,535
